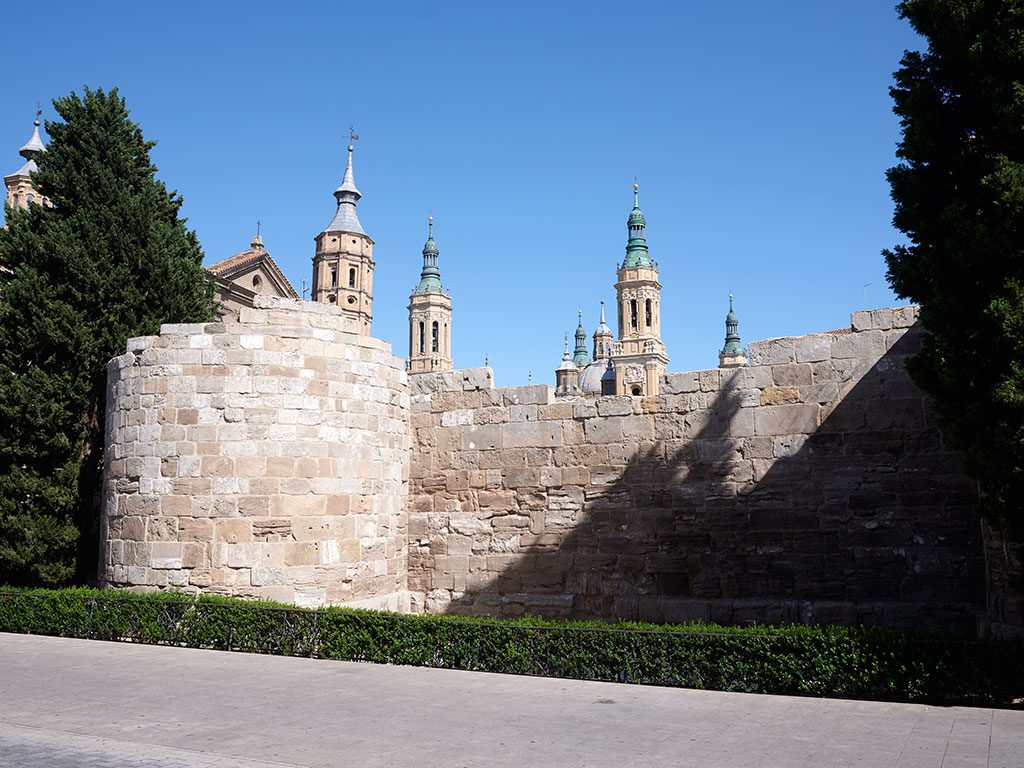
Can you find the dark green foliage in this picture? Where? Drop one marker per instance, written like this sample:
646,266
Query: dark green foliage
809,660
111,260
959,194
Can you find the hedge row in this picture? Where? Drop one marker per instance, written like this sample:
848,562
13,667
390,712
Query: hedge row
822,661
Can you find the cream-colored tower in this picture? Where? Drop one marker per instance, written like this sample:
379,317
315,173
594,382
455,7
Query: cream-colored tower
20,191
430,315
343,264
639,357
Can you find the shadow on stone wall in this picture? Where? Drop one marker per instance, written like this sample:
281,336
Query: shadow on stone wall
865,520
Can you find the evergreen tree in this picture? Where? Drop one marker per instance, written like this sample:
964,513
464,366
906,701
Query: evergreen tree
959,194
110,260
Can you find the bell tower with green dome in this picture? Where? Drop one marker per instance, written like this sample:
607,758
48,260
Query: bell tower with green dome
639,357
430,315
733,355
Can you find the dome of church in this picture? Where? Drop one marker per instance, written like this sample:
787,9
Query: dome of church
590,377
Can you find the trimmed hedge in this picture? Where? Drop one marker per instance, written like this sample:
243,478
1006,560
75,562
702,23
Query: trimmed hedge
805,660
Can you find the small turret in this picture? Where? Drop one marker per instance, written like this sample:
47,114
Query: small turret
580,355
637,254
603,338
566,375
732,355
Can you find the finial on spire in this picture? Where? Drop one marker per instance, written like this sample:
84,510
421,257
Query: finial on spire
352,136
39,112
430,226
529,377
636,193
579,314
602,311
487,363
257,241
730,300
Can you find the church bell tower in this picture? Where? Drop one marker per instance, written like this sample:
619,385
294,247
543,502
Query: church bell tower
639,357
343,263
430,315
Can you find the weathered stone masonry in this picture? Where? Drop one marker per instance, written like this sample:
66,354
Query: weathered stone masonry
284,457
811,486
266,458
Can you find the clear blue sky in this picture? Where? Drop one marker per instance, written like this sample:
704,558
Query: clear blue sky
760,133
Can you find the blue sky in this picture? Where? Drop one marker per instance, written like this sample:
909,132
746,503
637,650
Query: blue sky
759,132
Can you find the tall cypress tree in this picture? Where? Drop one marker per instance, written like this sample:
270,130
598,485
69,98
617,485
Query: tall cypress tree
959,194
110,260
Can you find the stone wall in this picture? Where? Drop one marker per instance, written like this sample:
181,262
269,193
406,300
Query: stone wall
265,458
811,486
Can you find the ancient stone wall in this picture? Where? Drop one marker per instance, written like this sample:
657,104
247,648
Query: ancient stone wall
265,458
811,486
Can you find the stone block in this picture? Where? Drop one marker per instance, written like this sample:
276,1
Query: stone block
543,434
814,348
477,378
868,344
615,406
792,375
772,352
780,395
786,420
538,394
680,383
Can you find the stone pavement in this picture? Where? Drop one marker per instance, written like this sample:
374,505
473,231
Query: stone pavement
75,703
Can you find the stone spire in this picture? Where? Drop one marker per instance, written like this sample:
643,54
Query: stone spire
430,277
603,338
732,355
20,191
636,248
580,356
345,218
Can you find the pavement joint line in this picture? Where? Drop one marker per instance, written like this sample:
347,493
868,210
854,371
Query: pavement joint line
144,744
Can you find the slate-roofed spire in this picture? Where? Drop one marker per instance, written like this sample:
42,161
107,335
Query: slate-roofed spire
636,249
34,145
430,277
602,327
567,364
345,218
580,355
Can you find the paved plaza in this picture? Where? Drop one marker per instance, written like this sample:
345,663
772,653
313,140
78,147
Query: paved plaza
77,704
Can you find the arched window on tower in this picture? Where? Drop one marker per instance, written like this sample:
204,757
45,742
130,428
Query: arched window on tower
434,334
422,337
650,316
352,278
633,313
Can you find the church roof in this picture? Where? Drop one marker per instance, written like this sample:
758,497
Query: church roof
249,259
